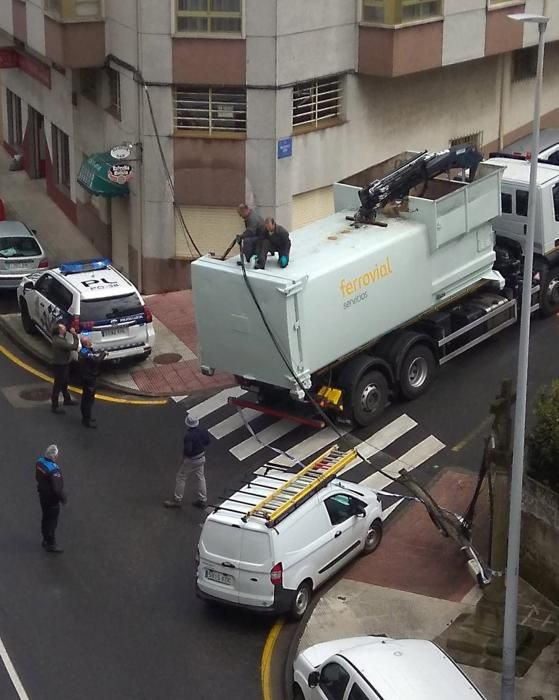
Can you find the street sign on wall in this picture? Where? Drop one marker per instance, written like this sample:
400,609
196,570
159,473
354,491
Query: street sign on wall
285,148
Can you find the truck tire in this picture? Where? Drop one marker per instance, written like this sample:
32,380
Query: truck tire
549,294
416,372
368,398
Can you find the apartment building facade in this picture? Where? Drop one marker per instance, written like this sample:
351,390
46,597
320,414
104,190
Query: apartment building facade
265,101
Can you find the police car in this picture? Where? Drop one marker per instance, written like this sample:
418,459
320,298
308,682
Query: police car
93,297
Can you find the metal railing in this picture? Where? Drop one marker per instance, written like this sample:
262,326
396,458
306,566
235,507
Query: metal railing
210,110
316,101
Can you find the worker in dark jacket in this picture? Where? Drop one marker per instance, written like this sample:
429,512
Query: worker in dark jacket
195,441
277,241
89,362
254,233
63,344
50,486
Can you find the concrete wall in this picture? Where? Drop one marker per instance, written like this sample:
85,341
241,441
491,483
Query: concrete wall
539,556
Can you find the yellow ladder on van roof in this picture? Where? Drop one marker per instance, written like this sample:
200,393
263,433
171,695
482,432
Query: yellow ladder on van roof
282,500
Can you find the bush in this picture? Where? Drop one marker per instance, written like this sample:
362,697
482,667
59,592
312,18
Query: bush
543,440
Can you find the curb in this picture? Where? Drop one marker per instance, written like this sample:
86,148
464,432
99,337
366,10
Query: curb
44,359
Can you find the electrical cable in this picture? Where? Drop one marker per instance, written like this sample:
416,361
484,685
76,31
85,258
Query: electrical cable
188,238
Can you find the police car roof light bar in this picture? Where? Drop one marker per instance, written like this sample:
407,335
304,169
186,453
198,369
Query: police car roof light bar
84,266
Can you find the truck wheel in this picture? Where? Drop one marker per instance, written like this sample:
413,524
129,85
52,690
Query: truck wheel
549,294
416,372
369,397
26,322
301,601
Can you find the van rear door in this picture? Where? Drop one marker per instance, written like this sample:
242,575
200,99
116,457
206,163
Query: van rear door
220,557
255,585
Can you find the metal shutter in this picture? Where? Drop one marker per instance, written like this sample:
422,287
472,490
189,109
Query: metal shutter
212,228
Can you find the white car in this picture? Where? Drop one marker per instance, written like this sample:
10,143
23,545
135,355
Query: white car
93,297
273,564
378,668
549,146
20,253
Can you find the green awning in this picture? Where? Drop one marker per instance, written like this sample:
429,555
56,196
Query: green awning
94,176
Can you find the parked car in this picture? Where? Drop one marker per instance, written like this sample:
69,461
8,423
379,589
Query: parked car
20,253
369,668
549,146
274,565
90,296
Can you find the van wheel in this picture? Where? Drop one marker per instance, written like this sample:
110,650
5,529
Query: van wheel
416,372
301,601
549,293
26,322
373,537
297,692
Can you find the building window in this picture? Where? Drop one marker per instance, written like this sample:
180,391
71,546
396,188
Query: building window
88,84
114,93
61,158
475,139
209,16
394,12
317,104
210,110
524,63
15,131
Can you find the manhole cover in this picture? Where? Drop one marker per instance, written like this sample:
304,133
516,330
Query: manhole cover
37,394
167,358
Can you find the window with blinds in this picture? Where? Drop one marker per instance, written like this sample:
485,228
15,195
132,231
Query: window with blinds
394,12
209,16
317,103
210,110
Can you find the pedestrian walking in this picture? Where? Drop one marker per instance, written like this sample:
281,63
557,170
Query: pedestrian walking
195,441
89,362
63,344
50,486
252,236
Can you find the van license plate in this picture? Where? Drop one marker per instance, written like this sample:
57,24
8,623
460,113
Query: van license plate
113,331
219,577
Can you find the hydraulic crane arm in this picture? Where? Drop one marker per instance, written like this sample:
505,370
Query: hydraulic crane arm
421,168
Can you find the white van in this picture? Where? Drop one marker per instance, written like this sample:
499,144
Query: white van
277,539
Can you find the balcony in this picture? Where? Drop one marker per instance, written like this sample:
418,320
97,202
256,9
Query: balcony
75,33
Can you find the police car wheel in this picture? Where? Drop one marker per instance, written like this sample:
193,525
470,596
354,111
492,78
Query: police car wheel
26,321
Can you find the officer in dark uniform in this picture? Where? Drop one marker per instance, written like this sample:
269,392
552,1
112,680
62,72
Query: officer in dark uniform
89,362
50,486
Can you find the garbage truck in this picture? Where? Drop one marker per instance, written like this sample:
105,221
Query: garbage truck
421,261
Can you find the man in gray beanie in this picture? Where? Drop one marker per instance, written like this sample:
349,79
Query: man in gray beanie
195,442
50,486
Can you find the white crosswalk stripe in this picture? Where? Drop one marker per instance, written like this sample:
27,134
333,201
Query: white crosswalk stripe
219,400
265,437
308,447
229,425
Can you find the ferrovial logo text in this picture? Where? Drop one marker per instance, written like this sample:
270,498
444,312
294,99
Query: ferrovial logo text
355,290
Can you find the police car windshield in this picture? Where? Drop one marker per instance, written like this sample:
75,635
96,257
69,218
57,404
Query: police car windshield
114,307
18,247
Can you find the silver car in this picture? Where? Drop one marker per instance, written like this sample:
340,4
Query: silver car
20,254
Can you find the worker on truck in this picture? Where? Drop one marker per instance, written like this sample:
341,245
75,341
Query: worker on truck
252,237
277,241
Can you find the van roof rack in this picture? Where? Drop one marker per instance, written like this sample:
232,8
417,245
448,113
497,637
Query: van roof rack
292,493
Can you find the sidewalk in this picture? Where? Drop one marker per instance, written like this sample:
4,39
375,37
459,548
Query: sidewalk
416,585
173,368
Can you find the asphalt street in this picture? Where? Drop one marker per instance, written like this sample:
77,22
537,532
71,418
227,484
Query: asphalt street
115,616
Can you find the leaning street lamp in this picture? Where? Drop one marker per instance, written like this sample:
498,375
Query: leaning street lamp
513,554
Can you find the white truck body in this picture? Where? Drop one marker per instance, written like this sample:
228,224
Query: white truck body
346,286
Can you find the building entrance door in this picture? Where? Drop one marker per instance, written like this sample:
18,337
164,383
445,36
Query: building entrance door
37,145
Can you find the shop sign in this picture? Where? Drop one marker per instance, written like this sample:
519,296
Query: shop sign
120,173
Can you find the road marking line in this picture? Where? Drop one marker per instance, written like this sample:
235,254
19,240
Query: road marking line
266,660
381,439
412,459
309,446
484,424
253,444
204,408
233,423
12,673
178,399
77,390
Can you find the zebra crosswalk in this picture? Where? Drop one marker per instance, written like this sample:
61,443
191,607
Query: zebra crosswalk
400,443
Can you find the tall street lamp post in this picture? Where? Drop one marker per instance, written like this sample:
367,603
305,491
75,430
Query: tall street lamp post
513,553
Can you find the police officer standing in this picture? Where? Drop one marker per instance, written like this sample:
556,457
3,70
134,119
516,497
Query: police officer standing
50,486
89,362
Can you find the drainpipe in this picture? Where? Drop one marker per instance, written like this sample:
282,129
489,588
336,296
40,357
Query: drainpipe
502,70
139,140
